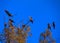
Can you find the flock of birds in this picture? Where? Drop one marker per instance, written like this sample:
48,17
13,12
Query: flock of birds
49,26
30,20
10,15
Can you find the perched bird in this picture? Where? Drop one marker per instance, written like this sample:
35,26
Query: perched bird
49,27
23,26
11,20
8,13
53,25
31,20
5,24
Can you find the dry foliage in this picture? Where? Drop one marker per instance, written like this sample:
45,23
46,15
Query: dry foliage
46,37
14,34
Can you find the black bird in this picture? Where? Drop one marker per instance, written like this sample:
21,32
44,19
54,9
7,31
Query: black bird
11,20
23,26
31,20
49,27
53,25
5,25
7,12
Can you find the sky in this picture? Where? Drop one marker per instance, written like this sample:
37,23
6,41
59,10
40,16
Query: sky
42,11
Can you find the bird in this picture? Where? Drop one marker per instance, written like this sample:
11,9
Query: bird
31,20
23,25
5,24
7,12
53,25
49,27
11,20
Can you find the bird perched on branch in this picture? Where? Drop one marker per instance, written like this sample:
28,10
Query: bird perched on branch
5,24
49,27
7,12
31,20
11,20
53,25
23,26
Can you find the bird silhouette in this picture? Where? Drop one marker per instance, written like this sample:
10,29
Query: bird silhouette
53,25
5,24
49,27
31,20
23,26
11,20
7,12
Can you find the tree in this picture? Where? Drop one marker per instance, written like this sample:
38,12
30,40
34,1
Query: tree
14,34
46,37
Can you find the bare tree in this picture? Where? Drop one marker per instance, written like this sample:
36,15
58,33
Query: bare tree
14,34
46,36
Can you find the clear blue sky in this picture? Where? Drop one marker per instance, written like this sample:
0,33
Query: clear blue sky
42,11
